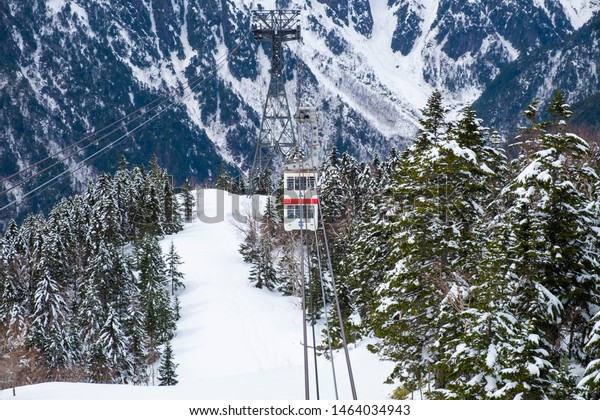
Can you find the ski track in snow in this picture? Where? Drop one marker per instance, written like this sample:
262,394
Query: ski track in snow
234,341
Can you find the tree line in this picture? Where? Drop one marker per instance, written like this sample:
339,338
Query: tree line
88,293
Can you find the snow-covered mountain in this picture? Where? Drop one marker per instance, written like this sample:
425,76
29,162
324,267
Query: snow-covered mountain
68,68
571,66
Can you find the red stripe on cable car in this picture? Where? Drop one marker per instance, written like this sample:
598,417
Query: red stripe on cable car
287,200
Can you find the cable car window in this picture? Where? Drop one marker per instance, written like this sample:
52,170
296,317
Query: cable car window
305,212
311,182
300,183
300,211
291,212
290,183
308,211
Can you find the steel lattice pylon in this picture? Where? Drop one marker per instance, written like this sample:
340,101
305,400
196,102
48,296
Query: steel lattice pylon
276,131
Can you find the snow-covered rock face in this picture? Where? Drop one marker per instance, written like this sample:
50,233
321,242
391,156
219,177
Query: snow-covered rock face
571,66
68,68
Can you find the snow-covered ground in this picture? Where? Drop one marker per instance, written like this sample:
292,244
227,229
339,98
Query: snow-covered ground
239,348
234,342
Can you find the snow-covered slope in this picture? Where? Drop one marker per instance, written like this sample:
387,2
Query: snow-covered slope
233,341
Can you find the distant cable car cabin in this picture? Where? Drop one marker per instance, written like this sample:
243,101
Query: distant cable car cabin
300,199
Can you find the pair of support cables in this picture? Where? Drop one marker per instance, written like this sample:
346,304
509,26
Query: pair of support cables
303,244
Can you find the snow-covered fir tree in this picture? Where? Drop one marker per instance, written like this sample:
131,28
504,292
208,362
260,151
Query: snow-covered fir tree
551,233
174,276
188,201
134,328
167,375
439,194
224,181
370,241
154,293
590,382
114,344
346,187
173,221
49,331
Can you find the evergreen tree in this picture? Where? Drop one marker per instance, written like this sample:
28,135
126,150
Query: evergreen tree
156,174
12,301
136,189
346,188
370,242
340,192
174,276
438,196
152,213
106,222
499,354
552,228
590,382
134,327
533,372
166,371
97,368
224,181
104,289
126,195
263,184
30,249
68,292
263,272
154,293
258,248
71,249
115,348
188,202
434,126
342,269
24,270
172,211
516,311
176,308
474,359
90,321
249,247
48,333
418,284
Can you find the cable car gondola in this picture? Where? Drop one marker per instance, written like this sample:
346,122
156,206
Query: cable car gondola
300,199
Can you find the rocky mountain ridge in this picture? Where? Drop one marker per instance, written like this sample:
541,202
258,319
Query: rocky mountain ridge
68,68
